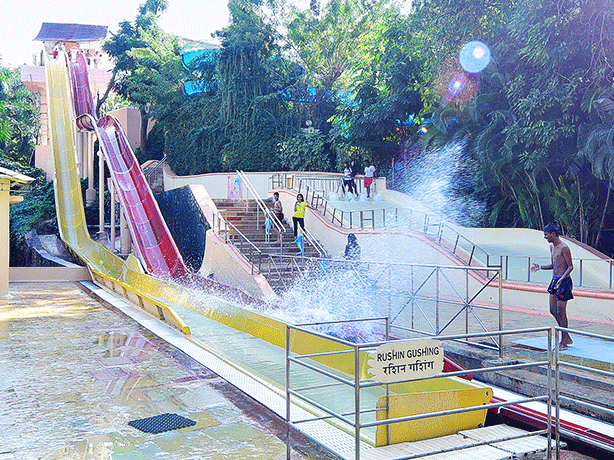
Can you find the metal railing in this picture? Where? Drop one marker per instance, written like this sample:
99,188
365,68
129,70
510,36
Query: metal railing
316,188
150,171
326,378
275,222
266,211
597,273
233,235
592,407
423,299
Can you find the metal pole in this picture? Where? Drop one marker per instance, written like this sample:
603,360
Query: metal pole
389,294
101,191
288,390
437,300
467,302
550,389
557,392
500,315
113,219
357,401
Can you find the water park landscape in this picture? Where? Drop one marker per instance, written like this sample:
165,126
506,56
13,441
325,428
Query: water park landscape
203,271
303,349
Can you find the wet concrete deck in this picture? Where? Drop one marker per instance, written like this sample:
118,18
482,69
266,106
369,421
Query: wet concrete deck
73,373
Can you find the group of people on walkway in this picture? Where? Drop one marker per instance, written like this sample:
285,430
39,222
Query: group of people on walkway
350,170
352,249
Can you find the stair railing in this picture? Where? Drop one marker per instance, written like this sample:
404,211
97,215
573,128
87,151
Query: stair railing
278,265
150,171
315,244
269,215
233,235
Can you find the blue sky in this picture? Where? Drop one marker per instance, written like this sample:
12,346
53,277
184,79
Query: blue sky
21,20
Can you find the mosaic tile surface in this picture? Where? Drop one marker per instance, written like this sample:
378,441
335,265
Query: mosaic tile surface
73,373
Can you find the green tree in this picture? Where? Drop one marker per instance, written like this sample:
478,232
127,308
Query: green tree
253,116
19,118
554,55
387,95
147,65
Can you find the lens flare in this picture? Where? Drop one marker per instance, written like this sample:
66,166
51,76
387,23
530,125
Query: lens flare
454,84
474,56
457,84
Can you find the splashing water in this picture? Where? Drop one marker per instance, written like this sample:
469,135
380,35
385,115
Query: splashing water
436,180
331,293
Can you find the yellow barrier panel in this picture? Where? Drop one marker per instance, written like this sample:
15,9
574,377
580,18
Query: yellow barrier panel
431,427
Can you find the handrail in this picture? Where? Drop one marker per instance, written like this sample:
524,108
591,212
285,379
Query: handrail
229,237
151,171
315,243
331,184
366,215
356,382
276,262
279,227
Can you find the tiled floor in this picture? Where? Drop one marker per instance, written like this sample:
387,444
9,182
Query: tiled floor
74,373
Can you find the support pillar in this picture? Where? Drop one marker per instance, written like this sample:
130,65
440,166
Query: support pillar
5,188
124,234
90,193
113,220
100,192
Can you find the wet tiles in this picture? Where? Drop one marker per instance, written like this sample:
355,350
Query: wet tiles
74,373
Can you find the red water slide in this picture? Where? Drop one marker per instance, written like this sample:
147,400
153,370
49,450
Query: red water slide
153,242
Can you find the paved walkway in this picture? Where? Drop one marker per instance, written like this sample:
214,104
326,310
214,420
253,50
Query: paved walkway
73,373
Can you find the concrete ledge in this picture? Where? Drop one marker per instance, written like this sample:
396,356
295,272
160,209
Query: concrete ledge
38,274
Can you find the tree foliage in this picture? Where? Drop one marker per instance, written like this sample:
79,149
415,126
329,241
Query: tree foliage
538,122
19,110
147,66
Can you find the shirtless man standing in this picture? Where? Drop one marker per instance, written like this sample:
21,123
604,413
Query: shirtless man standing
561,284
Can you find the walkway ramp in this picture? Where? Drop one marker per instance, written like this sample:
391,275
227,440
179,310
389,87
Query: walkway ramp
489,443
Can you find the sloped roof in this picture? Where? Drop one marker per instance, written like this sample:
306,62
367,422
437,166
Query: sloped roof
52,31
14,175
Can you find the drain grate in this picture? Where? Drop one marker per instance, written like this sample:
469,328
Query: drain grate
161,423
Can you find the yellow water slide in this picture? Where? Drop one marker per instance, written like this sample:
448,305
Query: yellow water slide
124,277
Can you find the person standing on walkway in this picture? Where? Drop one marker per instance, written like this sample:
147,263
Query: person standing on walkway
561,285
298,218
347,178
353,173
278,210
369,175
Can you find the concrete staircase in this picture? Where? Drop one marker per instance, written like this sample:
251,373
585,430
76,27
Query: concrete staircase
155,176
246,217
